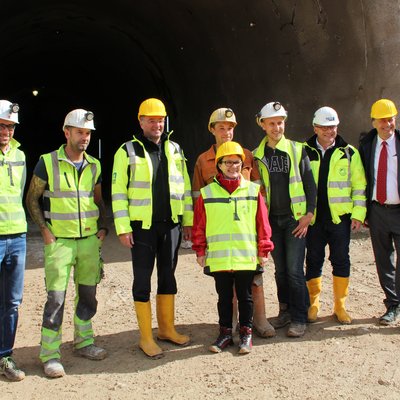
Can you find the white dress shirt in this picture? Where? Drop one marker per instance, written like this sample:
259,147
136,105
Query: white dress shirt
392,193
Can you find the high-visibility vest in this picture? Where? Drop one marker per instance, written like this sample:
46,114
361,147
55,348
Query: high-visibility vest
296,189
132,180
231,230
345,185
12,183
69,207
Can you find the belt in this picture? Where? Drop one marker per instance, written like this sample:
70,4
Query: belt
386,205
73,238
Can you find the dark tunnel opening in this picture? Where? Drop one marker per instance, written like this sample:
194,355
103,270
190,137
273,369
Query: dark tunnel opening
195,57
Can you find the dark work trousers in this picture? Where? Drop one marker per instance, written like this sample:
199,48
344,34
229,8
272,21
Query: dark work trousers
160,243
337,237
384,224
224,282
288,256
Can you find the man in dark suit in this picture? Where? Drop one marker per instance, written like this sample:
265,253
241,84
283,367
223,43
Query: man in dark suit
378,150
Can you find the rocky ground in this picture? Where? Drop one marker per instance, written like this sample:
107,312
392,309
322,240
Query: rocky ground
331,361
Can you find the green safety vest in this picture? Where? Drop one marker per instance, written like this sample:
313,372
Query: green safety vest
296,189
12,183
69,207
346,183
132,196
231,230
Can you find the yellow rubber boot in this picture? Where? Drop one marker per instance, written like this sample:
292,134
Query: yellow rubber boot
261,326
165,318
314,289
341,291
146,343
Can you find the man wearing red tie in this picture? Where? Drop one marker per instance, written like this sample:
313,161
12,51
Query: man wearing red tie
378,150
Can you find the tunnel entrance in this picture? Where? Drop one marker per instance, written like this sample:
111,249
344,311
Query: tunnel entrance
67,55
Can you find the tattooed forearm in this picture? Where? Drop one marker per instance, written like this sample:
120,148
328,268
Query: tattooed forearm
35,192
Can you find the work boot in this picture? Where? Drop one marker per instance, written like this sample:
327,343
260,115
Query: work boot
9,369
296,329
390,316
314,290
341,291
246,343
146,343
223,340
165,318
53,368
261,326
283,317
91,352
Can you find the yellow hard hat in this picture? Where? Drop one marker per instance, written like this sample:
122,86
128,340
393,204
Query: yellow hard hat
229,149
222,115
152,108
383,108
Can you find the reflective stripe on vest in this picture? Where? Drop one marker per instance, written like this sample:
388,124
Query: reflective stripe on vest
12,183
231,226
296,189
343,198
70,210
139,196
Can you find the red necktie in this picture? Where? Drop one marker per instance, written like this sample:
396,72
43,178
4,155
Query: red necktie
382,175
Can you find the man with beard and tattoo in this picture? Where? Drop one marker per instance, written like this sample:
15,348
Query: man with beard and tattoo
71,218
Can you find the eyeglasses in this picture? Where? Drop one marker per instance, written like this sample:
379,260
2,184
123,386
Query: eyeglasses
326,128
9,127
230,163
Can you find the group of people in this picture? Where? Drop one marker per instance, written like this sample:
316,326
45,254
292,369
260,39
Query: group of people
286,198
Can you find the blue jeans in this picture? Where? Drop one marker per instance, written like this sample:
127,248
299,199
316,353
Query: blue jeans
337,236
12,268
288,256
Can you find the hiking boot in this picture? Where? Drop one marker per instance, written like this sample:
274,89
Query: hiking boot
283,317
246,343
9,369
296,329
223,340
53,368
390,316
91,352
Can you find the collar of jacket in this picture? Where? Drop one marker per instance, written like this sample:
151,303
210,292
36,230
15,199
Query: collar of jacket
370,136
339,142
62,155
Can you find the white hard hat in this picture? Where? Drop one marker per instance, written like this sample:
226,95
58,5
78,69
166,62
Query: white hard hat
270,110
326,116
80,119
9,111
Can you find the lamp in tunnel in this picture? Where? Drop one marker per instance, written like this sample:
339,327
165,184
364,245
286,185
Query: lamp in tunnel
35,92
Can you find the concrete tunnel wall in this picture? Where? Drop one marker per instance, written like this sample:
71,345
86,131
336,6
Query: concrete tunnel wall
195,56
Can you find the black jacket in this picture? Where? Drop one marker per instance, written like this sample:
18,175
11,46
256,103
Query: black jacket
367,153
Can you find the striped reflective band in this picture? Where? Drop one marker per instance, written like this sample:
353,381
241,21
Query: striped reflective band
71,216
231,253
229,237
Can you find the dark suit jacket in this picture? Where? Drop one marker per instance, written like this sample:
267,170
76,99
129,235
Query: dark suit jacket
367,153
